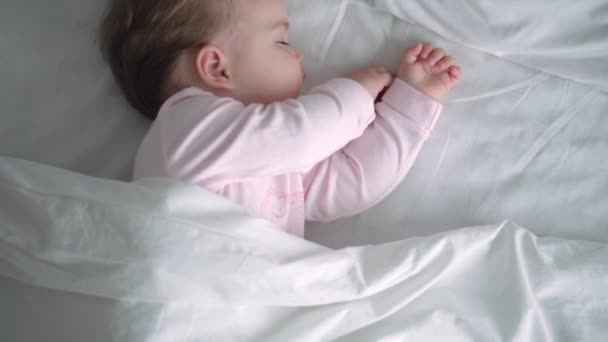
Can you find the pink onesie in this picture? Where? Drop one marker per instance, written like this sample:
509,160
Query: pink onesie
323,156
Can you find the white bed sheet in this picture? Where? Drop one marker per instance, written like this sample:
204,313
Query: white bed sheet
523,137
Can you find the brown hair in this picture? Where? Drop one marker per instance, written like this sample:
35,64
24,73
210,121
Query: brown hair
142,40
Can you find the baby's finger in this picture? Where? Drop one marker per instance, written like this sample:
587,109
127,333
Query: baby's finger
426,50
455,71
445,63
381,71
412,53
435,56
385,77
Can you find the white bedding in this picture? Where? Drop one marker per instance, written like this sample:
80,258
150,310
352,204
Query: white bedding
523,138
59,103
84,259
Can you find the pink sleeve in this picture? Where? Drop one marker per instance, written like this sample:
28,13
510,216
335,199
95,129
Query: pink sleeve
369,168
216,141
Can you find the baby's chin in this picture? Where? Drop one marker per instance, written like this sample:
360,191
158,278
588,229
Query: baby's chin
297,92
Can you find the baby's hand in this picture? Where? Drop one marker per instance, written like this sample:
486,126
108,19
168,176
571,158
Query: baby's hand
372,79
429,70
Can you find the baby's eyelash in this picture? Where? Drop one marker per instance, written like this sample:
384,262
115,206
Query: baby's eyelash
283,42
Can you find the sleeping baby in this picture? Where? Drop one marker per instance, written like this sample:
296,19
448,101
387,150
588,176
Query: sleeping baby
222,83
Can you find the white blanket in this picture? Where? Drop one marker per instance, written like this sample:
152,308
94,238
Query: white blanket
523,138
84,259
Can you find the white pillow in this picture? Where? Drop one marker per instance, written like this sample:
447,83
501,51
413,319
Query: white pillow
60,104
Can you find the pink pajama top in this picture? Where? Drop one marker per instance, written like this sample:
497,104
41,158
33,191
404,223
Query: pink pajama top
325,155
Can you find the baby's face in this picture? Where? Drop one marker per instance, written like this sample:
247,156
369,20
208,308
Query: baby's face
265,67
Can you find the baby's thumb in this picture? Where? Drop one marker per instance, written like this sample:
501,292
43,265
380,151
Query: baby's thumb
410,56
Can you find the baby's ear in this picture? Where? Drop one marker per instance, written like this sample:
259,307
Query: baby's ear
212,68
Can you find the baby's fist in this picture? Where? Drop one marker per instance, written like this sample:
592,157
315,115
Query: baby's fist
372,79
429,70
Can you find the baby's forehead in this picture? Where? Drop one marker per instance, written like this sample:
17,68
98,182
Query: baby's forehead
262,13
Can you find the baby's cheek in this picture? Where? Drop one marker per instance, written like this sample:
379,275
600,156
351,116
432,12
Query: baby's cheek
296,84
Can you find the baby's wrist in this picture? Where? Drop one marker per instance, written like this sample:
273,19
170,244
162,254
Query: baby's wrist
426,91
422,89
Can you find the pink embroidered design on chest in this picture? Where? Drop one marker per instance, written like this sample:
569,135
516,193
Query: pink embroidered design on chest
277,204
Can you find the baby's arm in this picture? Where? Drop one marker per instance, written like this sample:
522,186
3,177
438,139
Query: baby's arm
212,141
369,168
